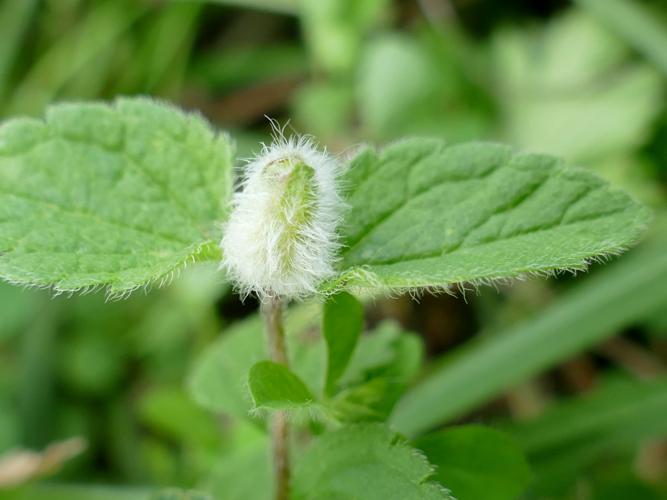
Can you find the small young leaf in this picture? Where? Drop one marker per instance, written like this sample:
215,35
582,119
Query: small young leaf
477,463
115,195
219,377
274,386
342,322
423,214
364,461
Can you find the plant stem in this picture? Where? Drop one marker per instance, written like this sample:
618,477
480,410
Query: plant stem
272,310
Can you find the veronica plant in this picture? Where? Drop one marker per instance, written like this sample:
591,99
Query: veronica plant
125,195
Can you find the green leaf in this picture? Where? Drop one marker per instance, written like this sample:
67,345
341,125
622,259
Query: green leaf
219,378
342,323
230,479
273,386
423,214
384,362
115,195
615,297
364,461
477,463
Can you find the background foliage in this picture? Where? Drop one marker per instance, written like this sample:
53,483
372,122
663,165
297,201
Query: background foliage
570,374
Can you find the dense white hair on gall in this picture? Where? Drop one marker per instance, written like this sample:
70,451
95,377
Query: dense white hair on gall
280,239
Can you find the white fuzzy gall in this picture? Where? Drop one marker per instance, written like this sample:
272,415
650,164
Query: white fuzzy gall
281,238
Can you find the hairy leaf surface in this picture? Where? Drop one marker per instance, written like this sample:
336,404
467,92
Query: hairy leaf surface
109,195
424,214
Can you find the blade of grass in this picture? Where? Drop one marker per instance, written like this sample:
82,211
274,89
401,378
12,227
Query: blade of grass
278,6
635,24
97,31
576,433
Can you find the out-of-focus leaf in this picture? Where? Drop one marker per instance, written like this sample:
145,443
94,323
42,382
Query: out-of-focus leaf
17,309
335,29
342,323
636,24
230,480
406,87
424,214
14,20
170,412
394,75
568,90
617,296
573,434
143,193
477,463
218,380
325,108
92,362
364,461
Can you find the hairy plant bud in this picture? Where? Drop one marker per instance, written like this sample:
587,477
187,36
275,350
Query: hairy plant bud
281,239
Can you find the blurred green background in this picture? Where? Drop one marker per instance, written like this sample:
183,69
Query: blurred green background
574,369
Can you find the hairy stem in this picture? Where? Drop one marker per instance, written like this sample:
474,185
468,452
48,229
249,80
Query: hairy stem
272,309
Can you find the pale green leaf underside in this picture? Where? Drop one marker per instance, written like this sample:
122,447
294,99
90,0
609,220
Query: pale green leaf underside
109,195
424,214
364,461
